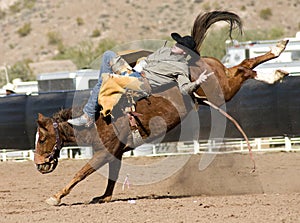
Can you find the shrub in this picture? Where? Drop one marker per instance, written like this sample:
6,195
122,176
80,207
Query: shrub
2,14
54,38
29,3
214,43
24,30
265,13
61,48
217,6
274,33
79,21
84,54
96,33
21,70
104,45
11,46
16,7
206,6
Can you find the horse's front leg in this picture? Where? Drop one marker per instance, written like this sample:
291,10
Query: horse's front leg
98,160
83,173
114,169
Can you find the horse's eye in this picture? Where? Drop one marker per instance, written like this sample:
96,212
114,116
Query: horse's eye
42,141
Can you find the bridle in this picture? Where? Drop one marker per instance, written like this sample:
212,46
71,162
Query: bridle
46,164
54,155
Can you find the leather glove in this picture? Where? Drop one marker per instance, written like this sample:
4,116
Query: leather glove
140,66
203,77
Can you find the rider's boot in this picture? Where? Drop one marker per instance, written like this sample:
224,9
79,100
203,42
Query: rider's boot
82,120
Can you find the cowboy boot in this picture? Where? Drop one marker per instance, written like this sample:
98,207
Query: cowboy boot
82,120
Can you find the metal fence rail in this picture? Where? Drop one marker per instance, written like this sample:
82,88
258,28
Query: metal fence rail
217,146
224,146
16,155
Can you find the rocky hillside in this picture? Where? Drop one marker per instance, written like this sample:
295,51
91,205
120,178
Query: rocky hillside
29,26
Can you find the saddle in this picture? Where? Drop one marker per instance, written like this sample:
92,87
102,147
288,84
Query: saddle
115,86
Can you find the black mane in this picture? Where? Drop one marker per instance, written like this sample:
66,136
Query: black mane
63,115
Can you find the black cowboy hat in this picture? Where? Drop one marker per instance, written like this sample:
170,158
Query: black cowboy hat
186,41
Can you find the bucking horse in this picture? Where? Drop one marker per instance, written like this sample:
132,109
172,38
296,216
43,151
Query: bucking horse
112,135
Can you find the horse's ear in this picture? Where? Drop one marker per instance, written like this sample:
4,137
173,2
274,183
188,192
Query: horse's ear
41,120
40,116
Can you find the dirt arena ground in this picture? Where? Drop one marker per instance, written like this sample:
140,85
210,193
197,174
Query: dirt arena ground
165,189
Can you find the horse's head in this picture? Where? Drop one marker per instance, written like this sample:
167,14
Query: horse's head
51,134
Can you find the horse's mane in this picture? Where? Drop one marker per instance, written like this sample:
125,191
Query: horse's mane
63,115
204,20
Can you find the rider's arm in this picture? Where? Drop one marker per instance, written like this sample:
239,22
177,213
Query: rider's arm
187,87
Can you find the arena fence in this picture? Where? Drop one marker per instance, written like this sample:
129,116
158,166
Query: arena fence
216,146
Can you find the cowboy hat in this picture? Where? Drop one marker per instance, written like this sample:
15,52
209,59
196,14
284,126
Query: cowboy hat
9,87
186,41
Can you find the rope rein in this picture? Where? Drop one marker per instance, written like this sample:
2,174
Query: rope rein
238,127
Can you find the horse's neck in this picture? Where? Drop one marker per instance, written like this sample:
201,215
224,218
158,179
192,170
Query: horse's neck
235,77
221,86
67,134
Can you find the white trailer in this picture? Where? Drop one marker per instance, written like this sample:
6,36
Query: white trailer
62,81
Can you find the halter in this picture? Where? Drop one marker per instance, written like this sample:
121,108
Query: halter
54,155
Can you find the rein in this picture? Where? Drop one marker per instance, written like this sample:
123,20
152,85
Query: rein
54,155
238,127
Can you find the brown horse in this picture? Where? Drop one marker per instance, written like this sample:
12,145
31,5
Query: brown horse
111,137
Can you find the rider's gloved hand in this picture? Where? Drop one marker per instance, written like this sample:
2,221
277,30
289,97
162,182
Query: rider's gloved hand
203,77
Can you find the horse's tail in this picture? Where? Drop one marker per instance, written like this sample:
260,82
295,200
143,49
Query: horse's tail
204,21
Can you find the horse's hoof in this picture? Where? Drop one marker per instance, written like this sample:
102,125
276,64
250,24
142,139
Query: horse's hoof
107,199
280,46
53,201
279,74
102,199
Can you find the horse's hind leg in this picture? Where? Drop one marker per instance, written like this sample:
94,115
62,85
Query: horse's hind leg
114,169
272,54
247,65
